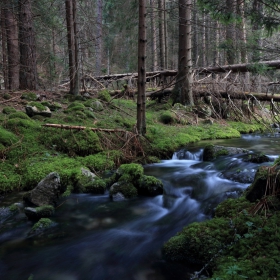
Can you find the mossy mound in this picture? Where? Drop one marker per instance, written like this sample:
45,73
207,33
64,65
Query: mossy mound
8,110
75,106
125,188
7,138
30,96
42,225
167,117
149,186
19,115
82,143
104,95
37,213
130,172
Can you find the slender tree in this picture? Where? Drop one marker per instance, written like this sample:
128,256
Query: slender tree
4,49
28,61
183,87
72,45
141,97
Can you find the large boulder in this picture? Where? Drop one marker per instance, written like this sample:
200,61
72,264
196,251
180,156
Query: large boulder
122,190
150,186
47,191
212,151
35,111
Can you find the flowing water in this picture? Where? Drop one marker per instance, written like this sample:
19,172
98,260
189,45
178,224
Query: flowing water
95,238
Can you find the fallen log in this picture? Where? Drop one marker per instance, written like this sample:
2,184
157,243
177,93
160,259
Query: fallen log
224,94
234,68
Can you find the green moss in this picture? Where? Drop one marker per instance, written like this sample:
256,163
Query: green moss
83,142
13,208
15,124
8,110
167,117
102,161
104,95
42,224
7,138
7,96
31,96
98,186
127,189
38,105
130,172
75,106
149,185
19,115
34,170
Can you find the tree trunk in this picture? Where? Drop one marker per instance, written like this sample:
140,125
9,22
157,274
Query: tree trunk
183,87
4,49
153,38
230,36
99,38
161,35
72,46
165,35
256,48
28,67
141,97
12,47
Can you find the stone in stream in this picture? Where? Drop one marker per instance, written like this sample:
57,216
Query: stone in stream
47,191
211,152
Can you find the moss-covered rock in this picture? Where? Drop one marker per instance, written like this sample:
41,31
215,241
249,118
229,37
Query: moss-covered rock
130,172
257,158
104,95
259,187
19,115
42,225
30,96
149,185
37,213
7,138
125,188
82,143
8,110
212,151
198,242
167,117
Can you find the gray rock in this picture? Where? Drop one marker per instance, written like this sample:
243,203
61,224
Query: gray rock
97,106
47,191
118,197
212,151
34,111
35,213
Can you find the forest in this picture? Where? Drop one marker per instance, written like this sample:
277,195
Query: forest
101,100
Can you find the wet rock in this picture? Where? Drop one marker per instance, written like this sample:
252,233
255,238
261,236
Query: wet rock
257,158
212,151
47,191
149,186
36,213
259,187
120,190
44,224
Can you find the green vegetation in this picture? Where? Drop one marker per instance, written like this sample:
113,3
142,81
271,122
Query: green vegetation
41,225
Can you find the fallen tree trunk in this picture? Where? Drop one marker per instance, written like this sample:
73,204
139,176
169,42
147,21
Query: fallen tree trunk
224,94
249,67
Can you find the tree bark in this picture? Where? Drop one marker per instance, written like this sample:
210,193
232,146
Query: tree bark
183,87
4,50
141,97
70,6
12,47
28,62
153,38
161,35
230,34
99,38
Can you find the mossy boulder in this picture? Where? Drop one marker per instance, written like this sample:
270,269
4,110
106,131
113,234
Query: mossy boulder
104,95
78,142
260,187
47,191
41,226
36,213
149,186
8,110
257,158
88,182
7,138
36,108
19,115
75,106
211,152
30,96
198,242
122,190
129,172
54,106
167,117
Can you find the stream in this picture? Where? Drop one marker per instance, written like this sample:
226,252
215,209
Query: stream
96,239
